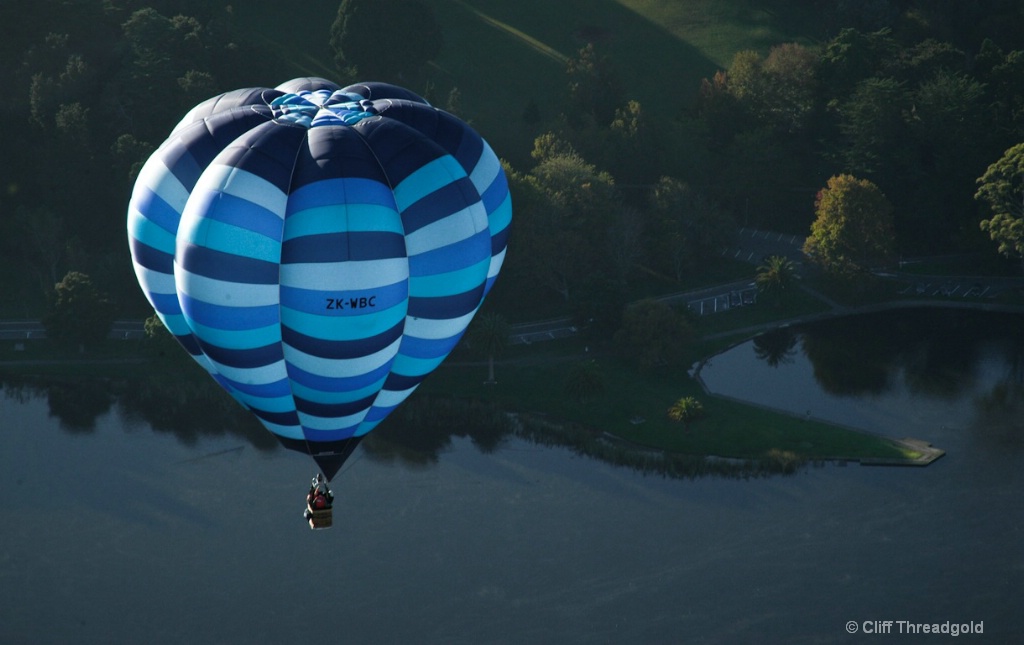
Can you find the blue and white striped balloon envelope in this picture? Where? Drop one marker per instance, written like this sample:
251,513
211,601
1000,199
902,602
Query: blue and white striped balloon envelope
319,250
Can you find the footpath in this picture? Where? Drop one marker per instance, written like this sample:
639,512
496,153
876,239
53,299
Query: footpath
751,246
912,290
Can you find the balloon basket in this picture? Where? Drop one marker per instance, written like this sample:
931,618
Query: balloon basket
321,518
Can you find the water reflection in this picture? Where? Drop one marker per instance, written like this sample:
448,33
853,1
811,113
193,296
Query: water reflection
999,423
188,410
926,354
776,347
415,436
935,352
945,355
419,431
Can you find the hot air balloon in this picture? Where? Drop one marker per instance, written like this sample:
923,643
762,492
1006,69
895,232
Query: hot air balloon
319,250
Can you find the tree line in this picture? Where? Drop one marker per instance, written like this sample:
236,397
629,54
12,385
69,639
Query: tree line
891,99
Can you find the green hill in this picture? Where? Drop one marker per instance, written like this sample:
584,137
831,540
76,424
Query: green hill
502,55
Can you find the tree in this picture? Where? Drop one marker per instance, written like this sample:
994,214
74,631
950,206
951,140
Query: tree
874,128
788,95
520,272
568,235
718,107
489,335
953,133
586,195
686,226
43,242
593,88
453,103
1002,188
197,86
129,155
653,334
79,313
585,380
778,91
851,57
560,259
854,226
625,244
668,240
634,141
550,145
161,51
949,109
159,339
686,410
72,124
385,40
775,277
1003,78
746,78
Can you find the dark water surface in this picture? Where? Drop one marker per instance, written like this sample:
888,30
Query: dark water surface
123,535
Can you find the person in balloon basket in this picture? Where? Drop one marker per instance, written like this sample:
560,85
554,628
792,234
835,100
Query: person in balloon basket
319,497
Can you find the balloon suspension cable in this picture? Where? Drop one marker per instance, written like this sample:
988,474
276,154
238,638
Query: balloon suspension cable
349,464
309,451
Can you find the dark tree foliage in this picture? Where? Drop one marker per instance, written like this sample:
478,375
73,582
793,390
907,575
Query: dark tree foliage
918,113
653,334
851,57
594,88
94,87
776,347
80,313
918,96
79,403
385,40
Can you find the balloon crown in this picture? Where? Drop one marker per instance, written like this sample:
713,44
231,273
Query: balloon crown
322,107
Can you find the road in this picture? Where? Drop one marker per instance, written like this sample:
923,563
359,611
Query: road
34,330
750,245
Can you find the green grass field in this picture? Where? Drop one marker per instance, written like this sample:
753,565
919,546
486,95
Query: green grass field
502,55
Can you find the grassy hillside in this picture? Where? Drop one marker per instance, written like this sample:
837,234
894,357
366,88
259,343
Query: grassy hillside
502,54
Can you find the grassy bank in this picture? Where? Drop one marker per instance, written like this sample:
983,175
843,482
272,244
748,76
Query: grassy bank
633,406
531,380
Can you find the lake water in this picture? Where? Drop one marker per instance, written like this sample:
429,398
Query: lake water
119,534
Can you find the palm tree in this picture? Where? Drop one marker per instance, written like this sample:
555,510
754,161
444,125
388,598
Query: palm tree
585,380
686,409
775,277
489,335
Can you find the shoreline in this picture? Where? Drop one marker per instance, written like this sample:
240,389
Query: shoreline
928,453
925,453
839,311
